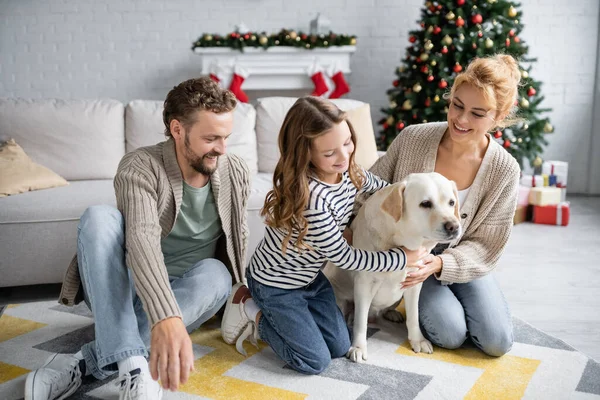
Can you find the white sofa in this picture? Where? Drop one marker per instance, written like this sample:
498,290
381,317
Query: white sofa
83,141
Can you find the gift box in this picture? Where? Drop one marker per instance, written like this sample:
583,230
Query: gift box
523,214
523,195
557,172
557,214
544,196
532,180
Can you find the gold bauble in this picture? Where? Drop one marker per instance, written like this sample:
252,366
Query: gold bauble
512,12
446,110
424,56
424,121
461,37
538,161
263,40
430,29
433,63
519,140
293,35
524,74
436,98
548,128
450,16
390,120
417,87
208,37
393,104
353,41
428,45
491,1
489,43
407,105
525,126
447,40
325,42
253,38
414,66
524,103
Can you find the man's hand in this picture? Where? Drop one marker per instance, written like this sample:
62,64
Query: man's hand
430,265
171,355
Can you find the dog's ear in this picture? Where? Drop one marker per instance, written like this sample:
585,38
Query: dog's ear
456,203
394,202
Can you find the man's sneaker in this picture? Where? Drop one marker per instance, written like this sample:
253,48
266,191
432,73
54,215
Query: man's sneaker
136,385
236,326
57,379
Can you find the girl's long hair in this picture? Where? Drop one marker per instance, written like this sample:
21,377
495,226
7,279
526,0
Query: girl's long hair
309,118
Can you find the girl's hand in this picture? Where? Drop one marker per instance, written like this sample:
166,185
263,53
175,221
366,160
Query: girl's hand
413,256
430,265
348,235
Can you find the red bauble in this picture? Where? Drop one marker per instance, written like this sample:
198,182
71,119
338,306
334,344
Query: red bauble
430,78
531,92
498,134
424,69
400,125
457,68
506,144
436,30
385,125
304,36
477,19
395,83
432,8
427,102
439,7
422,24
474,45
442,84
246,36
480,34
511,32
415,116
460,2
444,50
516,39
460,21
507,42
412,39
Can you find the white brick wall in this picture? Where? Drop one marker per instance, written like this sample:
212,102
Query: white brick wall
139,49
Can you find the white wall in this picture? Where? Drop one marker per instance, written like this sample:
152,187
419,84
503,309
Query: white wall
139,49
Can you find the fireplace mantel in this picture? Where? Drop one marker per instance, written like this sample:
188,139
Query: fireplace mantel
277,68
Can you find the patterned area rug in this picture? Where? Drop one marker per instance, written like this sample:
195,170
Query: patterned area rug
538,366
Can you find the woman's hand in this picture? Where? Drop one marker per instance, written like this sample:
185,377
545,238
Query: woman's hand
414,256
430,264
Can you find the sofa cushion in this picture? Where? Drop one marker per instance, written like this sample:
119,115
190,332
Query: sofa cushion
19,174
144,127
77,139
270,113
366,147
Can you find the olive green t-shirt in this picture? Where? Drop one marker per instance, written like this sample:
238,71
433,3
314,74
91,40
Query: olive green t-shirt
195,233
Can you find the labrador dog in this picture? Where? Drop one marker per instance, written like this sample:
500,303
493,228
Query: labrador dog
422,210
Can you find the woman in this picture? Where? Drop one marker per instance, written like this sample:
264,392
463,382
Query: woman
459,298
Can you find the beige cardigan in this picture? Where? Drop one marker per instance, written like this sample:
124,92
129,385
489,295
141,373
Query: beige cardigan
487,213
149,190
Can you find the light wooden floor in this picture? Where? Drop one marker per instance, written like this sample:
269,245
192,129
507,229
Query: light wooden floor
551,276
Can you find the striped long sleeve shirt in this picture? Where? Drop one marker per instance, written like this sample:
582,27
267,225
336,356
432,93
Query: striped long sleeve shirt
327,213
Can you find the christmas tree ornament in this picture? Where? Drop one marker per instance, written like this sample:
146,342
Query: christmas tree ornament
461,37
429,29
401,69
427,102
460,22
519,140
417,87
445,49
524,74
414,67
446,110
506,144
474,46
341,86
412,39
400,125
516,39
491,1
489,43
430,78
390,120
531,91
447,40
436,98
385,126
477,19
428,45
498,134
538,161
407,105
433,63
480,34
511,33
315,72
512,12
460,3
239,76
457,68
442,84
424,57
424,69
396,83
507,42
548,128
415,116
450,16
393,104
525,127
436,30
263,40
524,102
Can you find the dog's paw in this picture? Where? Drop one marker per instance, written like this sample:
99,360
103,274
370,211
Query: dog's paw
421,346
394,316
357,354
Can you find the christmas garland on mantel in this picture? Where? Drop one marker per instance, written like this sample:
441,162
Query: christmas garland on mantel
285,38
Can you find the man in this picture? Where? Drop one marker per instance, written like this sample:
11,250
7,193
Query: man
157,268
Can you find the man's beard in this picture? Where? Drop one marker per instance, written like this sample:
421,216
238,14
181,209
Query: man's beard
197,162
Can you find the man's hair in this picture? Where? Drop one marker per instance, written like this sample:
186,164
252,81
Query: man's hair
186,99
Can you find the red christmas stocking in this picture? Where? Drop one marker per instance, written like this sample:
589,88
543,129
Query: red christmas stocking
239,76
214,71
316,75
341,86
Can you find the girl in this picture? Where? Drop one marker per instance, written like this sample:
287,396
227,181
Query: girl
288,301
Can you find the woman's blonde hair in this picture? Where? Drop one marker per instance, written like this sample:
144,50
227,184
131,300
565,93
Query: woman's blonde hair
309,118
498,79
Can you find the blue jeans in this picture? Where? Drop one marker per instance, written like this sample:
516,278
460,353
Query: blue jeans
448,314
122,328
304,326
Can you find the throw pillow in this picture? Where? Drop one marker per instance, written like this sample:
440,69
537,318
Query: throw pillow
366,148
18,173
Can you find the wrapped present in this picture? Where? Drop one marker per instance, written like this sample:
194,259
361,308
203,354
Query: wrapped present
557,214
544,196
557,172
523,195
522,214
532,181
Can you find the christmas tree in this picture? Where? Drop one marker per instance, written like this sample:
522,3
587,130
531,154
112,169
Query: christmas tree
451,34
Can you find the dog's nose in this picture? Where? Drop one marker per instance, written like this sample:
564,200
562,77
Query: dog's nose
450,227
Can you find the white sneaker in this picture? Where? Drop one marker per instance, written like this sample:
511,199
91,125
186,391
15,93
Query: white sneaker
138,385
236,326
57,379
